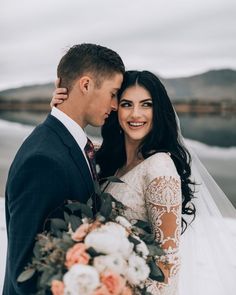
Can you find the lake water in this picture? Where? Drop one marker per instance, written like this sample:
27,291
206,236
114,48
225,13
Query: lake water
212,137
216,130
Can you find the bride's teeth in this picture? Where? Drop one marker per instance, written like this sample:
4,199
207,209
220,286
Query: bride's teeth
136,124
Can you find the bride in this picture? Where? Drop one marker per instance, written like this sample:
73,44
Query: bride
143,146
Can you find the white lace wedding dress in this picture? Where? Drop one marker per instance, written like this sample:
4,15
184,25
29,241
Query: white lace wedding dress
152,191
202,261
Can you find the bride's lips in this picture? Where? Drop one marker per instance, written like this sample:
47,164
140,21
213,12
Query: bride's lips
135,125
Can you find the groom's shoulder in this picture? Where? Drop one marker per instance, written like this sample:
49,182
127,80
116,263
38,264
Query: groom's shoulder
42,140
40,136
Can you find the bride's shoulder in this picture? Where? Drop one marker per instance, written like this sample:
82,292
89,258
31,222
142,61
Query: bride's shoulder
161,158
160,164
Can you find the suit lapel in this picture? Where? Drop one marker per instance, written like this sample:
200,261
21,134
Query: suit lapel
75,151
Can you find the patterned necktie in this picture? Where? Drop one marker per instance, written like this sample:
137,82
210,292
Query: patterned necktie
90,154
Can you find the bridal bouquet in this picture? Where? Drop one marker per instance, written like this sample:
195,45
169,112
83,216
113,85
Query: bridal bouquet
101,255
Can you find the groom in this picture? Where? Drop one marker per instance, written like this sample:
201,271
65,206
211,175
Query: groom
52,166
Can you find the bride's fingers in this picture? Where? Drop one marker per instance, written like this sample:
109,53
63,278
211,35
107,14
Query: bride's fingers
55,102
60,96
57,82
59,91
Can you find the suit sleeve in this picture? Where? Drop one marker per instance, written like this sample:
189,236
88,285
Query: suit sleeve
36,188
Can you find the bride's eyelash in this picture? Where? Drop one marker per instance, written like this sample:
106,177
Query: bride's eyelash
148,104
125,104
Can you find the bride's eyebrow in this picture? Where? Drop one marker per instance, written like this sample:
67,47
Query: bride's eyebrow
141,101
126,100
147,99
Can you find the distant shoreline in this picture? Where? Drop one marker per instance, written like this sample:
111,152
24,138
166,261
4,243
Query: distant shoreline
195,106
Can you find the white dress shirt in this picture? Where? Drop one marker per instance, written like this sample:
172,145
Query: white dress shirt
74,128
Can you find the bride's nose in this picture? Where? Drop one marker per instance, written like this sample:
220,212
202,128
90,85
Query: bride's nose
135,112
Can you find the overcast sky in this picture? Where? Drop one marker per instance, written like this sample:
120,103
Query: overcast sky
170,37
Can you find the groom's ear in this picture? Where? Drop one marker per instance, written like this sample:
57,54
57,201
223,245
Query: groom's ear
85,84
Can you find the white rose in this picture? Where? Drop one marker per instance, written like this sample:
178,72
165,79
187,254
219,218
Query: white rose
138,270
113,262
141,248
123,246
126,248
114,228
81,279
108,239
103,242
124,222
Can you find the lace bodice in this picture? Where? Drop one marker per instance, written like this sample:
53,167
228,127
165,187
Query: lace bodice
152,191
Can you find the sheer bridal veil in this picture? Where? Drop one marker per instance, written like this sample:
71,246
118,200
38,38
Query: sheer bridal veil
208,246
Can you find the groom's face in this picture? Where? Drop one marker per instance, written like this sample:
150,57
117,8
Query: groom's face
103,100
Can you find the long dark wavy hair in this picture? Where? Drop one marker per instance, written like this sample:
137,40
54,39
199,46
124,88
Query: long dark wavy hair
162,138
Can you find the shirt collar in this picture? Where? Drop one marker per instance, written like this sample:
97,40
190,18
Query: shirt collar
74,128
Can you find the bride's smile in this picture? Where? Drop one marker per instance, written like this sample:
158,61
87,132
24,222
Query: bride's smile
135,113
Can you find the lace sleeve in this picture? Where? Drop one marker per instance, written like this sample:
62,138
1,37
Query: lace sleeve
163,203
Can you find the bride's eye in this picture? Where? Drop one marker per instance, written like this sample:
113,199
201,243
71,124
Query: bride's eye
147,104
125,104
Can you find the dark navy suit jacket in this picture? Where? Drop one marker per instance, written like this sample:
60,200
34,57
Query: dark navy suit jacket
48,169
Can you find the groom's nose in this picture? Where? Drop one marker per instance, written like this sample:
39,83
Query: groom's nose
114,104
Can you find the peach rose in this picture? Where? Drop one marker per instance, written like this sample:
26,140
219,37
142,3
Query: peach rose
96,224
101,291
114,282
57,287
77,254
81,232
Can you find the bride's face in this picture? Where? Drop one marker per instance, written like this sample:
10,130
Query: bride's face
135,113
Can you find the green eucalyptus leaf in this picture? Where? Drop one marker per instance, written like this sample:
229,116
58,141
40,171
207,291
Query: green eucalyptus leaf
36,251
148,238
90,202
155,250
133,240
92,252
46,277
67,238
156,273
145,292
75,206
66,217
114,179
106,206
118,205
58,224
42,240
26,275
82,208
86,210
64,245
75,222
143,225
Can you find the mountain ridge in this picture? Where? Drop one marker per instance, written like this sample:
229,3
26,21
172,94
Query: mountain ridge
213,85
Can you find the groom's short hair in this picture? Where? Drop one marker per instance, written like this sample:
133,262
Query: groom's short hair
82,59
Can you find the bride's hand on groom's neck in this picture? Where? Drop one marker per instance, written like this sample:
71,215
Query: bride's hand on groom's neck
59,94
